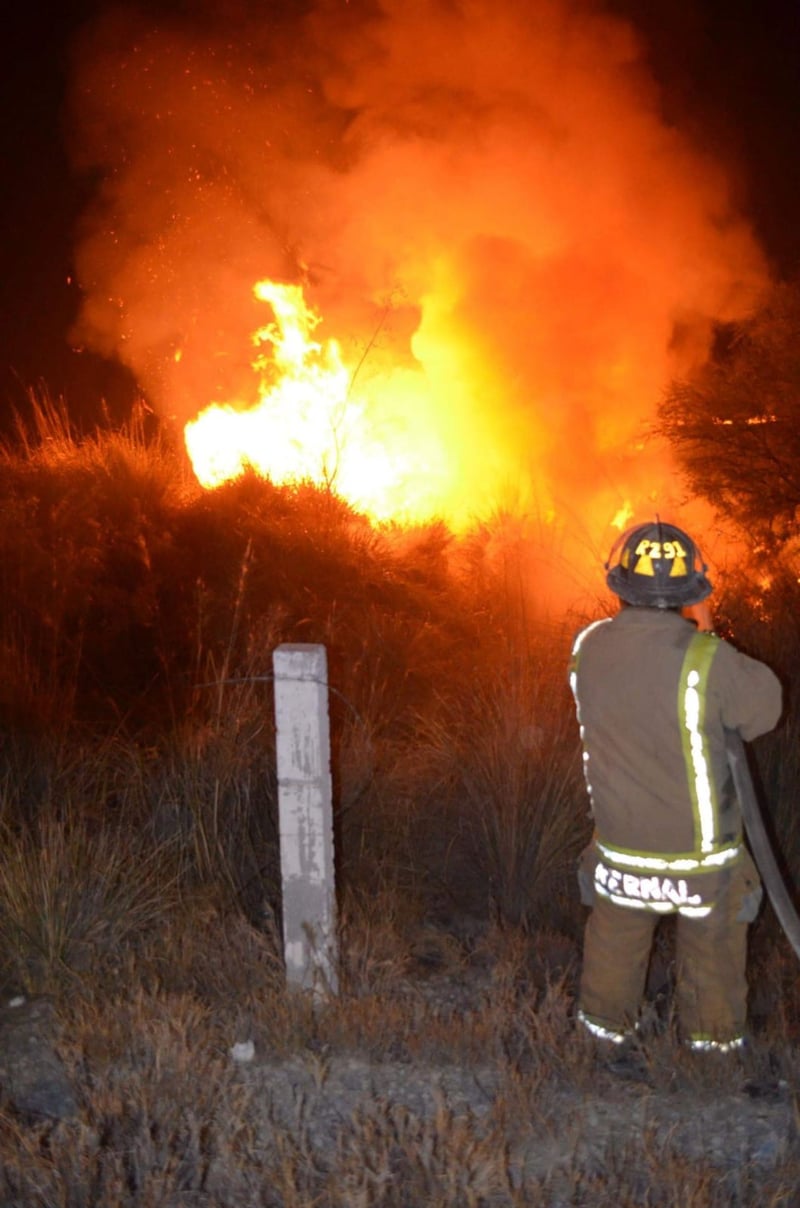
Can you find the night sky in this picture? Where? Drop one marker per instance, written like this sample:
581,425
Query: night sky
729,73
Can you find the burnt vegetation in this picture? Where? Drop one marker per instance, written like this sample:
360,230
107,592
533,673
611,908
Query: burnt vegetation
139,877
735,424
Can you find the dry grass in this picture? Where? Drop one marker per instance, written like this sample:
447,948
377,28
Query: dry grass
500,761
393,1096
71,898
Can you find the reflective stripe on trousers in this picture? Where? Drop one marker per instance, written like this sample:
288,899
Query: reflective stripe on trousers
711,986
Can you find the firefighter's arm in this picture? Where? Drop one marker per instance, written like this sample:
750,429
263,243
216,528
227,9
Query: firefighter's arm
751,694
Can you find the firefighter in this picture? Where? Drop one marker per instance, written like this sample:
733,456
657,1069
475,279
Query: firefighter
654,695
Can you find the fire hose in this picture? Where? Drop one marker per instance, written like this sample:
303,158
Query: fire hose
760,845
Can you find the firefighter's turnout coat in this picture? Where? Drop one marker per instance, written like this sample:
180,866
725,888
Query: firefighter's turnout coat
654,698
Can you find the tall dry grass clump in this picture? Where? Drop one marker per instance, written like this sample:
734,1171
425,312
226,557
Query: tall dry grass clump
87,526
501,759
72,899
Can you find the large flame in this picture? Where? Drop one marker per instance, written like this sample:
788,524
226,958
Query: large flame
312,422
378,442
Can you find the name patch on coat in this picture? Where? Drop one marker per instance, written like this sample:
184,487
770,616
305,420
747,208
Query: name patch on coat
647,891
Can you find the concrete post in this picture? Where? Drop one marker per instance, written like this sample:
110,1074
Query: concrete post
306,817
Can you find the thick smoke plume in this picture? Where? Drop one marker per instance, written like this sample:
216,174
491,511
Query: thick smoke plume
481,192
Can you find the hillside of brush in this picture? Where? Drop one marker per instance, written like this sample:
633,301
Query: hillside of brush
140,882
138,618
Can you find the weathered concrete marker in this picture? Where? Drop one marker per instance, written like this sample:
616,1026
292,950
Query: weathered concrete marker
306,816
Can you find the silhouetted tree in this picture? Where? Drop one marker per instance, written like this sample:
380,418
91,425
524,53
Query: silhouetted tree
735,424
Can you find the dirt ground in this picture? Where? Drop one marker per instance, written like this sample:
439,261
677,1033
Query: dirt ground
555,1118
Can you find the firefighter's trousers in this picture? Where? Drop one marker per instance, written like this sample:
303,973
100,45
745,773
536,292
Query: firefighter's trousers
711,986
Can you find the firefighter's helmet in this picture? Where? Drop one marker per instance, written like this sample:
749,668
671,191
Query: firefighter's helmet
657,565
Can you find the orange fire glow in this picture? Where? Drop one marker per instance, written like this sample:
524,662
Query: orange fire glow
311,423
378,443
487,208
